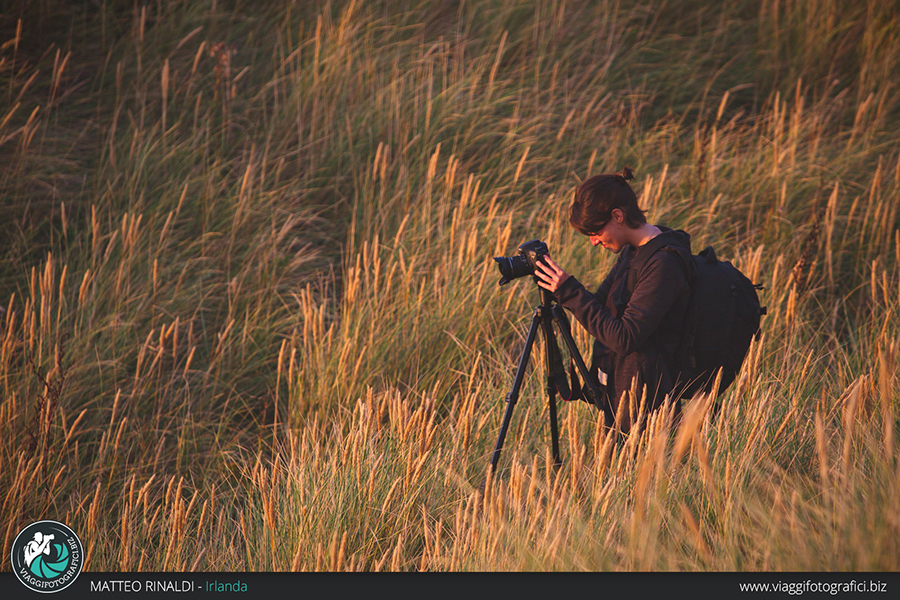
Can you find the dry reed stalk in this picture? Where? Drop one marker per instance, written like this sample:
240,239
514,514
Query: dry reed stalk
849,402
396,554
495,67
822,452
887,363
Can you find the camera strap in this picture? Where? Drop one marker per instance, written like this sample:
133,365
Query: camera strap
566,392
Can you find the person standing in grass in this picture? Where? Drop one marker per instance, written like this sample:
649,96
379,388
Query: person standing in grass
636,321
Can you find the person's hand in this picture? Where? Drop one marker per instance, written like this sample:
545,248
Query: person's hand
550,275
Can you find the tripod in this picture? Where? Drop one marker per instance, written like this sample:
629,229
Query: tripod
544,315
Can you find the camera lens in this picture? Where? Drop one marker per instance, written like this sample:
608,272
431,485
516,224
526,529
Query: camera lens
513,267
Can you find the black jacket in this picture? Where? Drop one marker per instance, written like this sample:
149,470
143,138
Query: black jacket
636,330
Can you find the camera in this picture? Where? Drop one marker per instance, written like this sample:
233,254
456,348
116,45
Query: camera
522,264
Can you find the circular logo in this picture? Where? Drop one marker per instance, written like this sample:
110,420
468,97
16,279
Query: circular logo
47,556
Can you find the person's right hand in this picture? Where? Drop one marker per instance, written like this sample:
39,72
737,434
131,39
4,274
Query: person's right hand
551,275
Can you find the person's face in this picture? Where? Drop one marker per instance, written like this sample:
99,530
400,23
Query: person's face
609,235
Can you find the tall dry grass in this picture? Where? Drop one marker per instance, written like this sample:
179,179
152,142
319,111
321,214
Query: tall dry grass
251,320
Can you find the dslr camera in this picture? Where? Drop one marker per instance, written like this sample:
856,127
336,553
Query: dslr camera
522,264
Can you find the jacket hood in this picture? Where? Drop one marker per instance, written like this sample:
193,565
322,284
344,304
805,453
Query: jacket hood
669,237
675,237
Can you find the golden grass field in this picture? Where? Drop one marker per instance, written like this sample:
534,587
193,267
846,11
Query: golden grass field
252,321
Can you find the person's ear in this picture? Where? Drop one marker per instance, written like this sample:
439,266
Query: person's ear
618,215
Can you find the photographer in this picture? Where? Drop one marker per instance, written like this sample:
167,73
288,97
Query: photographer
636,321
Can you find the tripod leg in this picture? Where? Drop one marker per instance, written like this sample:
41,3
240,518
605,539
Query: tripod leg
562,322
552,352
554,426
513,395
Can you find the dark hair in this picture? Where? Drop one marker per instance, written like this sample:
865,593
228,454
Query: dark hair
596,198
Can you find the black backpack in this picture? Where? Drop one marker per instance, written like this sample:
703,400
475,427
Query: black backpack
722,319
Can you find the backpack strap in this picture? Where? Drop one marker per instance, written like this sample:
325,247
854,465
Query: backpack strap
567,393
557,371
